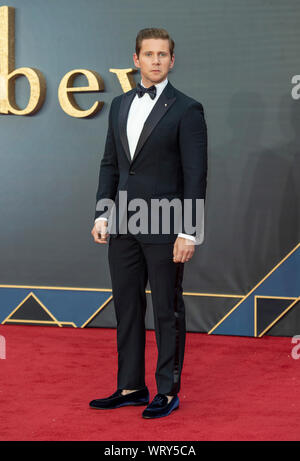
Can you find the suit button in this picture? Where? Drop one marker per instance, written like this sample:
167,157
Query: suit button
131,172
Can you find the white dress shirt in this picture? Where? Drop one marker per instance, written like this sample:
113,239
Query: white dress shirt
138,113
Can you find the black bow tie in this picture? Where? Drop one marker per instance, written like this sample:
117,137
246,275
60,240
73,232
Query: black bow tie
141,90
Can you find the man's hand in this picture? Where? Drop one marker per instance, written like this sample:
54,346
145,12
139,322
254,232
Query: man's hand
183,250
99,231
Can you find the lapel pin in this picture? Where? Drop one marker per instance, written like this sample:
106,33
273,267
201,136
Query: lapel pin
166,105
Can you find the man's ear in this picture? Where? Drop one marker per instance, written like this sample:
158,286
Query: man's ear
136,60
172,61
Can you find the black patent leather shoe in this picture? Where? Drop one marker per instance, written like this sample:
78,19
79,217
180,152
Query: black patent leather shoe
160,407
117,400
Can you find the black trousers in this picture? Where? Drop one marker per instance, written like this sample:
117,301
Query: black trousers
131,264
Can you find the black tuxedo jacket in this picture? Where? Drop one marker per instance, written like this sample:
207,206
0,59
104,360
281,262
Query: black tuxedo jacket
170,160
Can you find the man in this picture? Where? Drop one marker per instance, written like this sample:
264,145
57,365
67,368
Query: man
156,147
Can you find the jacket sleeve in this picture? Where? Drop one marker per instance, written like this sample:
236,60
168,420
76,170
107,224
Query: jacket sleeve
193,152
109,171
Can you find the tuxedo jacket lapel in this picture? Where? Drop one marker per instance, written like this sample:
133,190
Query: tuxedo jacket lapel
161,107
123,114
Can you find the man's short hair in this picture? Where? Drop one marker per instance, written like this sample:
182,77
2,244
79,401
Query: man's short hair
153,33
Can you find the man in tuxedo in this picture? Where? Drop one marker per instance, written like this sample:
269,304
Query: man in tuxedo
156,148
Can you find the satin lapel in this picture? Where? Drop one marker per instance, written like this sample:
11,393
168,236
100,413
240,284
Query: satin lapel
123,114
161,107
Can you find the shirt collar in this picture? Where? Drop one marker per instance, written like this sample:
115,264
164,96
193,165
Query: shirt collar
159,86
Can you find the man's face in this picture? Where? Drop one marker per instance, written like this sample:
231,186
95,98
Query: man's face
154,60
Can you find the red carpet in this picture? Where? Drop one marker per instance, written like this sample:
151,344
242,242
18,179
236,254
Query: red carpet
233,388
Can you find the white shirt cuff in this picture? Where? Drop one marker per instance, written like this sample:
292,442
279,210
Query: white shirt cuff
185,236
98,219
